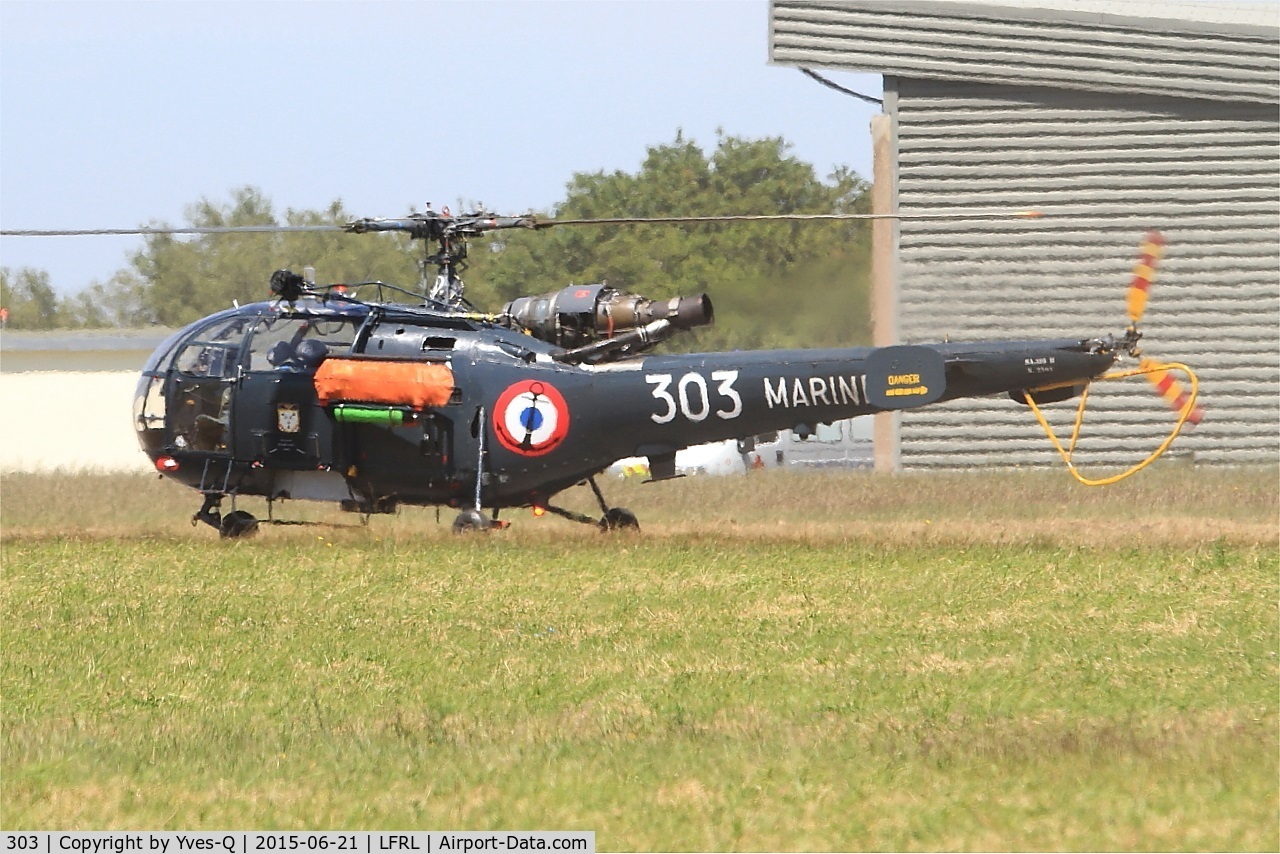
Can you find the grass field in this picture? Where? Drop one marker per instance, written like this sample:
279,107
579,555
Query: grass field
962,661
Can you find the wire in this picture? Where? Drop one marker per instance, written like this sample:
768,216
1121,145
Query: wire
831,85
1067,454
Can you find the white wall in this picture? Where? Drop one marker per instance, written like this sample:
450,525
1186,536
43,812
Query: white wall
68,420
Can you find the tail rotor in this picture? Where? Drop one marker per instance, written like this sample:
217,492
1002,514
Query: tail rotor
1180,400
1150,253
1179,396
1175,393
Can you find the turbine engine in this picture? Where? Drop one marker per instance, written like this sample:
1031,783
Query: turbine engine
579,315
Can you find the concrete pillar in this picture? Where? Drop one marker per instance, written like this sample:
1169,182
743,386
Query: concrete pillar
884,267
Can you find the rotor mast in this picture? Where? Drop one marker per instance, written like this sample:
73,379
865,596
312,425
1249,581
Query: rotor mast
449,235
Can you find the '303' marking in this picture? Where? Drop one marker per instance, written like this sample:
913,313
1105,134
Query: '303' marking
692,398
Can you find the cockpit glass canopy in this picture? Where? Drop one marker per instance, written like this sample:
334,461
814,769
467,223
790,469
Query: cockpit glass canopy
215,350
299,343
260,337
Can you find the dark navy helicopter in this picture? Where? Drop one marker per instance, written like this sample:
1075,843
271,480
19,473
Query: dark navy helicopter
321,394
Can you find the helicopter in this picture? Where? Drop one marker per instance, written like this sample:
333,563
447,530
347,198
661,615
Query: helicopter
319,394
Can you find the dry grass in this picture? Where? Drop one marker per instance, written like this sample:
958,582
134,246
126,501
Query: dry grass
832,662
1173,505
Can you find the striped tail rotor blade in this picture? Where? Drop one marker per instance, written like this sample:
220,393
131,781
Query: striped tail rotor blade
1174,392
1139,289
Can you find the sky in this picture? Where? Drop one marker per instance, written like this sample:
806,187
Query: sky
122,114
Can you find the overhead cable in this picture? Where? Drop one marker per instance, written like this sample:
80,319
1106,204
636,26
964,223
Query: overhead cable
832,85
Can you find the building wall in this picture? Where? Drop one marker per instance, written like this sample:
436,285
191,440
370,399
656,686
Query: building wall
66,399
1111,124
72,421
1106,168
1162,47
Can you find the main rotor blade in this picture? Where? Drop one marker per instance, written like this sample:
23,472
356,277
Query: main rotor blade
488,222
986,214
208,229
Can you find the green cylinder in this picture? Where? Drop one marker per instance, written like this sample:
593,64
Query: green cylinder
368,415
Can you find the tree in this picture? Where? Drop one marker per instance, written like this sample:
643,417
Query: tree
186,279
774,284
30,299
121,302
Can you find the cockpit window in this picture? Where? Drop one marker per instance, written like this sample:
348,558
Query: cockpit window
214,351
164,352
299,343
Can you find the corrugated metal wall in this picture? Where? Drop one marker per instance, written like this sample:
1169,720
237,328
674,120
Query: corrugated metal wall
1207,174
1118,50
1108,160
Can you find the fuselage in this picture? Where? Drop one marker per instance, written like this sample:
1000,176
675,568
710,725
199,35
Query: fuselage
242,402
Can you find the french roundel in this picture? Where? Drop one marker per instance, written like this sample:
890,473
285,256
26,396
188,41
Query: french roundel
531,418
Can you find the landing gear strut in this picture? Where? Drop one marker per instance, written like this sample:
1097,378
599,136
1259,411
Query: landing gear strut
619,519
474,518
232,526
614,518
237,524
471,520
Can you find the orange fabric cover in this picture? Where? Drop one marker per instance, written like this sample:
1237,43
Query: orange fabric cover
416,384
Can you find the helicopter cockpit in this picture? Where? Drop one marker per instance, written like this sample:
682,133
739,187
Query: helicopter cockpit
201,378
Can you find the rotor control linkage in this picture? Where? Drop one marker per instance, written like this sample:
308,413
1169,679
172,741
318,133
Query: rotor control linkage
432,225
1127,343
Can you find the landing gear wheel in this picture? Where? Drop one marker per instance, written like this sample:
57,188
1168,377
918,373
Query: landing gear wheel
237,524
619,519
471,520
